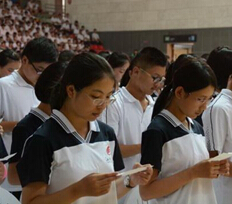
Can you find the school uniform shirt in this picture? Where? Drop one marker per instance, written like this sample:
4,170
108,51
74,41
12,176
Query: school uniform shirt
217,123
127,118
24,129
17,97
58,156
172,148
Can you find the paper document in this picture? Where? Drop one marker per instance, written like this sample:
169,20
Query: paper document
221,157
7,157
133,171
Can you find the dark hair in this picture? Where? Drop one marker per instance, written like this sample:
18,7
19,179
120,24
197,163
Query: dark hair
146,58
40,50
174,66
105,54
48,80
117,59
193,74
82,71
66,56
7,56
220,60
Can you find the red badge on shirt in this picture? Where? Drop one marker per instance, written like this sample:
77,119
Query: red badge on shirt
108,150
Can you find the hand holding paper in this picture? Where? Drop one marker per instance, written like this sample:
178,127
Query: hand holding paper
221,157
140,174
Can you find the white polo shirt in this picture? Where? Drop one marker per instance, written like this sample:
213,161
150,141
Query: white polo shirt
217,122
127,118
17,98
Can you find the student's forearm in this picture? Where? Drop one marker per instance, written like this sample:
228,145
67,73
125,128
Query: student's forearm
65,196
121,189
8,126
13,175
166,186
130,150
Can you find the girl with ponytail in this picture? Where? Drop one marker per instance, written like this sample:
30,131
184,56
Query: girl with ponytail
72,157
174,143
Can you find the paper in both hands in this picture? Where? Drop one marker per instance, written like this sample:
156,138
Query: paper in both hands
7,157
133,171
221,157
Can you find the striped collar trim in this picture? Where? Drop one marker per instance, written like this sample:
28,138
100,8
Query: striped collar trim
174,120
68,127
39,113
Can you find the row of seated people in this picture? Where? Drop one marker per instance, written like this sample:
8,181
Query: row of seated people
18,26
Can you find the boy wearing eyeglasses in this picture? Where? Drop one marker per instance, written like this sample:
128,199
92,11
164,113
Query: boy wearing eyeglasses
17,90
131,113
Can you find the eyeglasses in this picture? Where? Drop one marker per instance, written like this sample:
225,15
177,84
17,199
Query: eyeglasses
203,100
100,102
159,80
39,72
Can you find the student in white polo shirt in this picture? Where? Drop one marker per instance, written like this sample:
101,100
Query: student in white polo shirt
72,157
131,113
37,116
17,90
217,118
9,62
174,143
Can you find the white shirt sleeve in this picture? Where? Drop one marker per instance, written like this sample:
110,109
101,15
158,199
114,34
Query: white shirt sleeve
111,116
215,124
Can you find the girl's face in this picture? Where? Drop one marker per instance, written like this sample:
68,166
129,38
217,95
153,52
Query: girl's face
9,68
193,104
89,103
120,71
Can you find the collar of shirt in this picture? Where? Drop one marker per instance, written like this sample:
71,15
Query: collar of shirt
132,99
174,120
227,92
68,127
19,80
39,113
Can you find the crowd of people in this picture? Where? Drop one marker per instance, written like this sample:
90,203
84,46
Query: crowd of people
74,122
19,25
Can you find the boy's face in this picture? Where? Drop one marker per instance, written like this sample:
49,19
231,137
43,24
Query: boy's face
32,70
145,79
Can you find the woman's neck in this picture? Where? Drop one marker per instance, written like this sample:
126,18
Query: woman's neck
46,108
174,109
80,125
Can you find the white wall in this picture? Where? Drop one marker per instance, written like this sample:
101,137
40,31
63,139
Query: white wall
48,4
127,15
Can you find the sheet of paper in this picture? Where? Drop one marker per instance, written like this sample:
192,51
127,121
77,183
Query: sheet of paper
133,171
221,157
7,157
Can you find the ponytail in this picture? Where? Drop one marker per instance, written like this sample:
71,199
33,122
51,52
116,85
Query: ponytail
163,100
58,97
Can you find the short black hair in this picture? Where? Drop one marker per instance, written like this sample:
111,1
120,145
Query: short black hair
220,60
117,59
66,56
40,50
7,56
48,80
145,59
